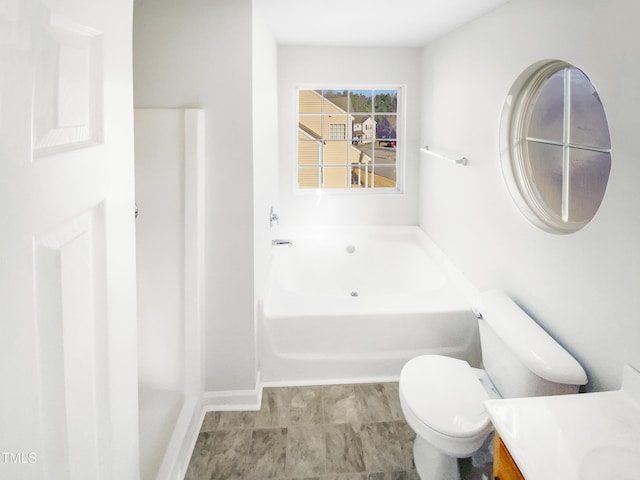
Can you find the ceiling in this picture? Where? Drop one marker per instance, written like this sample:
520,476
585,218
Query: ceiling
392,23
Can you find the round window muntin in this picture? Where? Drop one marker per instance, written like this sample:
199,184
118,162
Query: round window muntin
514,153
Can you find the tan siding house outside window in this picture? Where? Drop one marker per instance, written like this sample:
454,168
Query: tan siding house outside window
348,138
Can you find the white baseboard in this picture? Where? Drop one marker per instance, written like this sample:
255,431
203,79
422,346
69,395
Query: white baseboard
188,443
233,400
331,381
191,417
180,448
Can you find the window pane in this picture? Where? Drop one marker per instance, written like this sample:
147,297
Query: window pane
588,177
546,121
309,101
308,152
358,153
310,125
385,152
335,153
588,120
545,163
386,126
362,128
386,101
384,176
365,152
308,177
334,177
361,176
360,101
335,101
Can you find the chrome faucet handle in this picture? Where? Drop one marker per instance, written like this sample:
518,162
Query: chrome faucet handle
273,217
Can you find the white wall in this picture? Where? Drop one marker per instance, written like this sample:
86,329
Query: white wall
160,192
332,66
265,150
583,288
197,53
169,157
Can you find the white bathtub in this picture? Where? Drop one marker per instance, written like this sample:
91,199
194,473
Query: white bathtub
354,305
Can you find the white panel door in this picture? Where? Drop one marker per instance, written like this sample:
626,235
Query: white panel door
68,397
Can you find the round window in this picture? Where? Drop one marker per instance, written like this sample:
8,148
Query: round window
556,146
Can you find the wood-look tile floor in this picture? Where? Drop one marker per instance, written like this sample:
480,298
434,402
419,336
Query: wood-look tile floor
335,432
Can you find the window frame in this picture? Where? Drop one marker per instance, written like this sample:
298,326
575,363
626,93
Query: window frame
516,116
400,138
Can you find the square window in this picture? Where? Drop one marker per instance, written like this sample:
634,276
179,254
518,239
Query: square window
337,128
346,134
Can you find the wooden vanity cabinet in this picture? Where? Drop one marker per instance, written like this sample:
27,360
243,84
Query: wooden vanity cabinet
504,467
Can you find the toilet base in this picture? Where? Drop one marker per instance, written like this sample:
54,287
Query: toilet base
432,463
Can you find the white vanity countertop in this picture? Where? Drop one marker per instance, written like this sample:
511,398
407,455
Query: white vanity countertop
590,436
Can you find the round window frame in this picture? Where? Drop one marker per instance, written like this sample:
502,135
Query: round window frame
516,172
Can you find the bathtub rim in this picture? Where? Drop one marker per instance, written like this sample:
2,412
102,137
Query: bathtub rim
466,289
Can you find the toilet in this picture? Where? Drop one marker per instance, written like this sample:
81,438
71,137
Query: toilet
442,397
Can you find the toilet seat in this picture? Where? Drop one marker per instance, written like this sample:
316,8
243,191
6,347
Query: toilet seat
445,395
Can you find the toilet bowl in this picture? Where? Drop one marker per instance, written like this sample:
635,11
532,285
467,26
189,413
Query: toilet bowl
442,398
442,401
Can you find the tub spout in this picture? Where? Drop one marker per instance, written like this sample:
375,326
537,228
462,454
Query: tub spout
279,241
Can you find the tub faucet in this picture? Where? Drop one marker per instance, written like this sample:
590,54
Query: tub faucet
279,241
273,217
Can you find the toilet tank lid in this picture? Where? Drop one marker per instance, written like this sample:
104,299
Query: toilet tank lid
535,348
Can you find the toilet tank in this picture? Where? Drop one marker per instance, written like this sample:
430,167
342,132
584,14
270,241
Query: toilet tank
520,358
